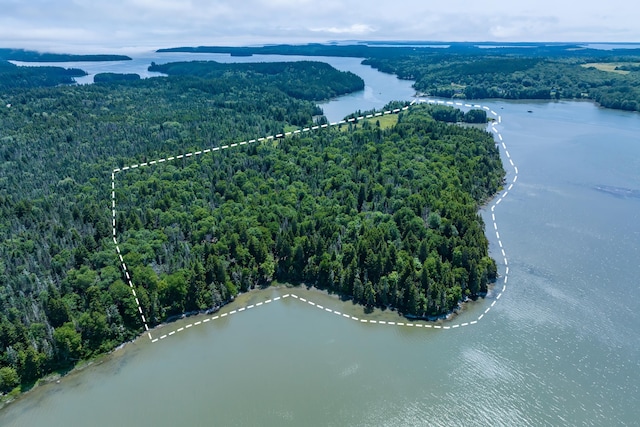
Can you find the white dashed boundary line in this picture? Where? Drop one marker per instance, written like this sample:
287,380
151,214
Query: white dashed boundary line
311,303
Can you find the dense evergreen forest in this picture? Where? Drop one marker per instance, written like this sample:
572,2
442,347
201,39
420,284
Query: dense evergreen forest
13,76
387,217
305,79
469,71
475,77
114,77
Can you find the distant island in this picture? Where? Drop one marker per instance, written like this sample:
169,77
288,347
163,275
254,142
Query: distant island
310,80
548,71
33,56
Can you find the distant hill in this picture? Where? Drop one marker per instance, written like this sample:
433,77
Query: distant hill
33,56
395,50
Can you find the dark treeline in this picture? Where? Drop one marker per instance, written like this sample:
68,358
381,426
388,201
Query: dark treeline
401,49
13,76
114,77
387,217
627,67
440,113
309,80
452,115
311,49
32,56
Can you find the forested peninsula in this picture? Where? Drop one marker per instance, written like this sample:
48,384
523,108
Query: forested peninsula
33,56
383,213
313,81
488,70
13,76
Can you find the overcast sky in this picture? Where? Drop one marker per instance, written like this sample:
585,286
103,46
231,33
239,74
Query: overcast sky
121,25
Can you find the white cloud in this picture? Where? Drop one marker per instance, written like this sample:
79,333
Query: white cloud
355,29
87,24
519,28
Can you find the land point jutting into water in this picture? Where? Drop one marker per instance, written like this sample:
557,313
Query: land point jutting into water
382,212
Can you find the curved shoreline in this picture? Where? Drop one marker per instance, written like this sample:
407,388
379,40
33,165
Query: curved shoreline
440,322
497,199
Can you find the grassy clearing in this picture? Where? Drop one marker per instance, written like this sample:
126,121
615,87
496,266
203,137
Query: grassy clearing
386,121
609,67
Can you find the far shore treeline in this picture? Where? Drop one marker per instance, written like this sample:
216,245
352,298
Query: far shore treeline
381,212
489,70
32,56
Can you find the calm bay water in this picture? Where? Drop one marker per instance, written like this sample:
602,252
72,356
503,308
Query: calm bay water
561,347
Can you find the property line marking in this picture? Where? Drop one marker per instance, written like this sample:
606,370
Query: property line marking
498,199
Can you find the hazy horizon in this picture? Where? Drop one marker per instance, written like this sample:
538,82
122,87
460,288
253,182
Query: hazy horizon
80,26
132,50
